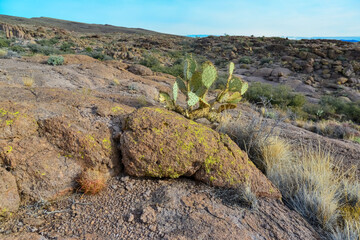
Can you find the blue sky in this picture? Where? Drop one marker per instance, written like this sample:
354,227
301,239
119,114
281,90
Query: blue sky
184,17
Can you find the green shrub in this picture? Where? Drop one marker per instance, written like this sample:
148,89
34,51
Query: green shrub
332,107
99,55
280,96
46,50
150,61
266,60
245,60
4,42
47,42
88,49
17,48
66,46
55,60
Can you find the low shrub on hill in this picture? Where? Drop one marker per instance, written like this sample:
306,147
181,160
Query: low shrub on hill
55,60
4,42
46,50
279,96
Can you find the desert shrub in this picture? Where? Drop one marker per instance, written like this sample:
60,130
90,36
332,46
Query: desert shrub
66,46
47,42
55,60
333,105
280,96
4,42
150,61
88,49
92,181
245,60
46,50
266,60
3,53
99,55
18,48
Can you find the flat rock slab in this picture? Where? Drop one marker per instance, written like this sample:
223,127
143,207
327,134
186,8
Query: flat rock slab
160,143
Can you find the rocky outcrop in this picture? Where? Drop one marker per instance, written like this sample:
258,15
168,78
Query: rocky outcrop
48,140
15,31
160,143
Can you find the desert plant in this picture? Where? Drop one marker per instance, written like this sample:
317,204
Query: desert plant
92,181
28,81
245,60
4,42
195,85
55,60
3,53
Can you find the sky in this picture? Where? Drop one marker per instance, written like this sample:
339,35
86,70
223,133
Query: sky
306,18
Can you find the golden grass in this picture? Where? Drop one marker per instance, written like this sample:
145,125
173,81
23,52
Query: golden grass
310,179
28,81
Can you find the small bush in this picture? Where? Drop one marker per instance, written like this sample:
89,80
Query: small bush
245,60
280,96
266,60
28,81
66,47
4,42
46,50
99,55
92,181
3,53
55,60
18,48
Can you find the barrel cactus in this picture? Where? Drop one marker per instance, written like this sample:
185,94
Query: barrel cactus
196,83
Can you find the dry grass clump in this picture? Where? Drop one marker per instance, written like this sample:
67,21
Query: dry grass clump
28,81
92,181
310,179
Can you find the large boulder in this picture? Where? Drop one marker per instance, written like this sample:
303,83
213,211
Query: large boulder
160,143
9,196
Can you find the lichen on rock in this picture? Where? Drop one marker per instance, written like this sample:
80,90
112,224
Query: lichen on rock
160,143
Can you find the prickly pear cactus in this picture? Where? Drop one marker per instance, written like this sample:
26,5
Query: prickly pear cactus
196,84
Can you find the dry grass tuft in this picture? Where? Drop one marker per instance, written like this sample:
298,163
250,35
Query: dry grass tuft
310,179
28,81
92,181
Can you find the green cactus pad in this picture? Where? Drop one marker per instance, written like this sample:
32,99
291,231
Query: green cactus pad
195,82
209,74
238,85
181,85
223,97
234,98
193,99
231,68
175,91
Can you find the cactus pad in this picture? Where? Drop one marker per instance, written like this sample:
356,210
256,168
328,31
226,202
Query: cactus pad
193,99
231,68
209,74
175,91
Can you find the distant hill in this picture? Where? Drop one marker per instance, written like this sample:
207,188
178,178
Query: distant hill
73,26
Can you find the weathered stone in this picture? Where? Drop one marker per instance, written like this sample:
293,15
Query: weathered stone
9,196
140,70
160,143
263,72
342,80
